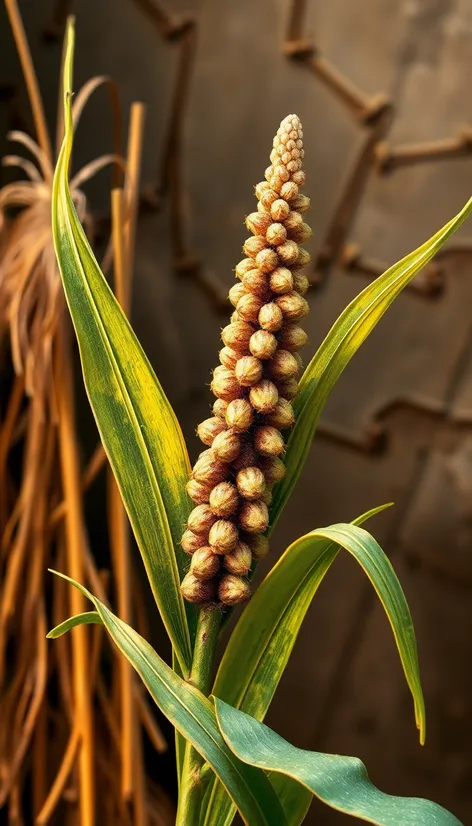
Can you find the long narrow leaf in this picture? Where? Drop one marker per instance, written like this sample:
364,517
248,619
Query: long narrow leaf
340,782
350,330
263,639
192,714
137,425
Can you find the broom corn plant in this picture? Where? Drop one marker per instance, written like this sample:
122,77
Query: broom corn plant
199,561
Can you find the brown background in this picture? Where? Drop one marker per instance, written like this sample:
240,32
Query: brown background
343,690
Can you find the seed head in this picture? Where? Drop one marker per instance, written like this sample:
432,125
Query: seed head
254,383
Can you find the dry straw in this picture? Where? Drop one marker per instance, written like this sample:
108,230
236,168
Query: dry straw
231,481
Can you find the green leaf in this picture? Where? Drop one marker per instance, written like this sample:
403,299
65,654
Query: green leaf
87,618
263,639
138,427
294,799
193,715
341,782
350,330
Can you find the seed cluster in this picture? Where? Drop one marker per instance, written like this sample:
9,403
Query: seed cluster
258,376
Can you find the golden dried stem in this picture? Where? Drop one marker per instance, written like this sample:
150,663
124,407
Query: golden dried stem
152,729
133,166
49,805
74,527
29,74
97,461
6,435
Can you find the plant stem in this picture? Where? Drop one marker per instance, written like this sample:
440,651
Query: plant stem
191,789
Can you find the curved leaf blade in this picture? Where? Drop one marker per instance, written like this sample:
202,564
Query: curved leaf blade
340,782
193,715
262,641
350,330
87,618
138,427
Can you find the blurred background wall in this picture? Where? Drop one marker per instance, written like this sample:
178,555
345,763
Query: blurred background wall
399,425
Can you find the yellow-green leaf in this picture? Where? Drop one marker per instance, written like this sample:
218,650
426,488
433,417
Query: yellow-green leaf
340,782
350,330
193,715
138,427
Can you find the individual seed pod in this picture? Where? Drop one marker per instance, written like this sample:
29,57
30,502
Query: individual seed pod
233,590
289,191
208,429
224,499
300,283
262,344
258,544
261,208
219,408
301,203
292,337
270,317
257,283
304,257
267,198
282,366
280,175
246,458
293,221
258,223
223,536
239,561
236,292
276,234
236,335
282,417
253,516
227,446
279,210
248,371
288,389
197,590
225,384
254,245
273,469
293,306
208,470
198,493
205,564
191,541
229,357
244,266
249,306
267,260
251,482
288,253
239,415
299,177
302,234
264,396
201,519
268,441
268,173
281,281
260,188
267,498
